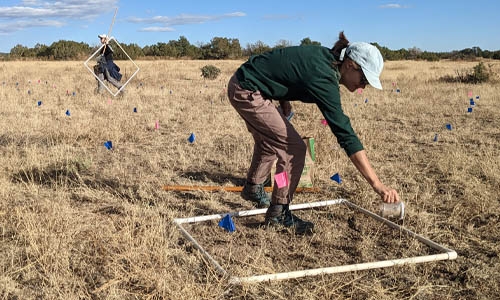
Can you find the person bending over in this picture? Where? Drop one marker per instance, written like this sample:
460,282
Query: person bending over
312,74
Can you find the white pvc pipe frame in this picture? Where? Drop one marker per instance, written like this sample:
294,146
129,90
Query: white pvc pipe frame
447,254
91,71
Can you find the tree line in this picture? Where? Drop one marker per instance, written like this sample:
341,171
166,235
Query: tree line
217,48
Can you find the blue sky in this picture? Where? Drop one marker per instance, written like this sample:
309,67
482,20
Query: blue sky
432,25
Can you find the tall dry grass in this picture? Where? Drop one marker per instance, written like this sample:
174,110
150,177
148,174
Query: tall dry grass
78,221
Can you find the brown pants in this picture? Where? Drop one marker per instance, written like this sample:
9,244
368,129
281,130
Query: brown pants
275,139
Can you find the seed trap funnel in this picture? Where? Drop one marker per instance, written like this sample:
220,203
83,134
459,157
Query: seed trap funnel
95,55
443,252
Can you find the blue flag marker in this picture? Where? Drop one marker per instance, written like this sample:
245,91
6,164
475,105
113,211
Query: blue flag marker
108,145
68,113
469,110
191,138
435,137
336,178
472,103
398,91
135,109
477,97
74,93
449,127
366,100
39,103
227,223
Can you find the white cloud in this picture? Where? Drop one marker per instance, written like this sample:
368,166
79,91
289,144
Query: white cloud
6,28
64,8
394,6
34,13
156,29
30,2
236,14
182,19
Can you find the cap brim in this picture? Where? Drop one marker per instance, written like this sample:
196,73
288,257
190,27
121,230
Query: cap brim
373,79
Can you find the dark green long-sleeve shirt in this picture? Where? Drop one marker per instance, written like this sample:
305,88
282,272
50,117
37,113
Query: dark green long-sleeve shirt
307,74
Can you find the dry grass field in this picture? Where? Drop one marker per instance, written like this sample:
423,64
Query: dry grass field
79,221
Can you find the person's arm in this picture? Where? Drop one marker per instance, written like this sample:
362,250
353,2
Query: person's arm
360,160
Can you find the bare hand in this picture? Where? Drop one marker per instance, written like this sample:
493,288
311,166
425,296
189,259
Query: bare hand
388,195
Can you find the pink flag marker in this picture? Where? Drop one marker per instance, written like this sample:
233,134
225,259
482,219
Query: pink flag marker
110,101
360,91
281,179
324,122
469,94
157,125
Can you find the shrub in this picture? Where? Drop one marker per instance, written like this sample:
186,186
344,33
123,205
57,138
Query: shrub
210,72
479,74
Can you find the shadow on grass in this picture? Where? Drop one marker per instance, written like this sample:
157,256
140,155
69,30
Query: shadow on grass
216,177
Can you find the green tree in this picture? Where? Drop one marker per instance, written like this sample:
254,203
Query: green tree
171,49
42,50
183,46
257,48
307,41
63,50
162,49
429,56
220,48
19,51
283,44
194,52
133,51
414,53
235,48
153,50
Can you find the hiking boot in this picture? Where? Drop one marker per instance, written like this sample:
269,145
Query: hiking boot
280,215
256,194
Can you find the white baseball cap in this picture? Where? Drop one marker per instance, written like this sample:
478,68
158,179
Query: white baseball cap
103,36
370,60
